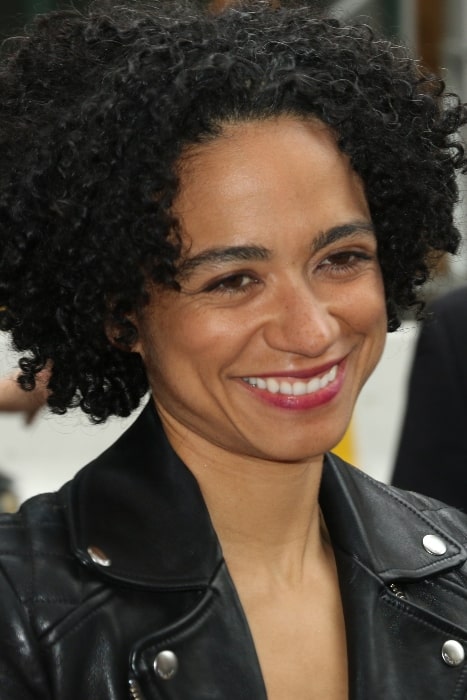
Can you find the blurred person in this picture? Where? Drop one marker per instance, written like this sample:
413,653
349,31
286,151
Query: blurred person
15,400
432,454
229,210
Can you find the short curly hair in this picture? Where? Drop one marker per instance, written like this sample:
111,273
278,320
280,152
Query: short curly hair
95,111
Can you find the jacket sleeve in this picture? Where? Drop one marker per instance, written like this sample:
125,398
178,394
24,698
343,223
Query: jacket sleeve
22,676
433,445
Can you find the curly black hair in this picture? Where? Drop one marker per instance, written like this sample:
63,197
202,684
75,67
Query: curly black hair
95,111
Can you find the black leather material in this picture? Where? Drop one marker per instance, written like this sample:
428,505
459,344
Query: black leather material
73,629
147,512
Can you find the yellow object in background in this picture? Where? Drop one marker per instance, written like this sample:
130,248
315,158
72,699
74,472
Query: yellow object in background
346,449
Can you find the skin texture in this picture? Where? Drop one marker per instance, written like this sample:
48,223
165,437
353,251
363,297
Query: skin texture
279,186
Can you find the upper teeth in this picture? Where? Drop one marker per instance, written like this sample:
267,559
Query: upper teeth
293,387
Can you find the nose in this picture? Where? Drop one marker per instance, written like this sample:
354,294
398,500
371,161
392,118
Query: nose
300,322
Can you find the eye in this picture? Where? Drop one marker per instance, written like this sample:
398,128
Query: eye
236,283
345,261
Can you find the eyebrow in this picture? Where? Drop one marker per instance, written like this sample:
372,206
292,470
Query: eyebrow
343,231
224,254
247,253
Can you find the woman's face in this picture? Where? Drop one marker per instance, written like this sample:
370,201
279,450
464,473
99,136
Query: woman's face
281,314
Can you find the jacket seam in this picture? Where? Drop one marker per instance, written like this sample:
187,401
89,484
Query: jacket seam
427,567
410,612
421,514
37,553
78,625
178,636
459,692
30,588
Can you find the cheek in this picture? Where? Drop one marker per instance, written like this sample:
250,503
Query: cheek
376,300
179,342
373,320
210,333
366,313
372,313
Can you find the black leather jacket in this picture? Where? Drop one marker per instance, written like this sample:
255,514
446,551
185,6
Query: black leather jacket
76,629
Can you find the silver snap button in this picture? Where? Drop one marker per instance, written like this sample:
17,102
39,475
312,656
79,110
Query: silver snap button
452,653
434,545
98,556
166,665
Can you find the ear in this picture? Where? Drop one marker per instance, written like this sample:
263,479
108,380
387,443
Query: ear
123,332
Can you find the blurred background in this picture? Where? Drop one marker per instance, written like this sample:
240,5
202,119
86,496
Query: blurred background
41,456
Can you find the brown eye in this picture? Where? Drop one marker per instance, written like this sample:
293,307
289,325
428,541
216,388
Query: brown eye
233,283
236,282
345,261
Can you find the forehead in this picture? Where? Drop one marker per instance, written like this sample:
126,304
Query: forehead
261,176
252,147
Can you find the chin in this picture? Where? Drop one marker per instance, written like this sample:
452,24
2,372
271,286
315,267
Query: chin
287,445
293,453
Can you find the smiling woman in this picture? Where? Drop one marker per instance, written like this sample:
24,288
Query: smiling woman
287,316
231,210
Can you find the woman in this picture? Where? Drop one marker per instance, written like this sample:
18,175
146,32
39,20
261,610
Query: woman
230,210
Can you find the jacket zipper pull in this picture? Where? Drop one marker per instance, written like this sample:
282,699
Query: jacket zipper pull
135,690
397,591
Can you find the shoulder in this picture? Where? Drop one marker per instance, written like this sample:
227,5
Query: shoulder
411,502
441,514
36,530
389,528
31,547
447,315
34,544
451,304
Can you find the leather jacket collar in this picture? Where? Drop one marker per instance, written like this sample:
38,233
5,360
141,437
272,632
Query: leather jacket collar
140,505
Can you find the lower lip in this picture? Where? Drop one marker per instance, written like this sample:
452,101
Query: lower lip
300,403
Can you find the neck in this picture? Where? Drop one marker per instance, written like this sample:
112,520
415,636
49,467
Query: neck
265,513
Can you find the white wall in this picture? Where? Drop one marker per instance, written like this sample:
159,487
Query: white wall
380,408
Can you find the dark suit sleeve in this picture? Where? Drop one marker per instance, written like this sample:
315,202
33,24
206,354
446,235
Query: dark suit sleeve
432,456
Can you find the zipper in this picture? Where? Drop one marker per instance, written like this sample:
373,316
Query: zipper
399,593
135,690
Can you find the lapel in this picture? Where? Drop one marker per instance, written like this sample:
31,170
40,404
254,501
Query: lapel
394,644
140,504
382,526
143,508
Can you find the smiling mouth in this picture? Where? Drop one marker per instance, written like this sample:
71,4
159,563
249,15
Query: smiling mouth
292,387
